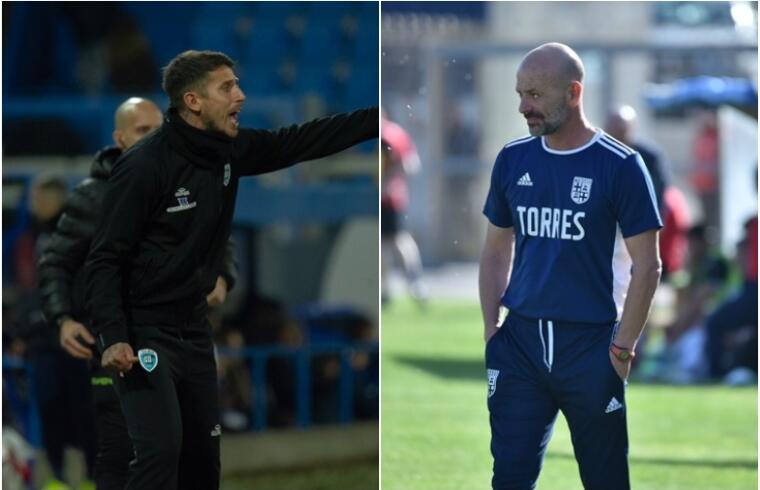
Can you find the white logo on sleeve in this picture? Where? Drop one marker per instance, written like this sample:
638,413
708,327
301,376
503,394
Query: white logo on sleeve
525,180
613,405
493,375
182,198
217,431
581,190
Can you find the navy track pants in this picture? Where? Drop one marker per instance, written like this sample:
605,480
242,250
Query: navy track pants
536,368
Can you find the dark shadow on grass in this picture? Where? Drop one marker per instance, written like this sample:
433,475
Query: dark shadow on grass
447,368
747,464
475,369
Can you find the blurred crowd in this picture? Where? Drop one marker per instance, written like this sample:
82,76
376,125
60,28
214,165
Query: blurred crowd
709,329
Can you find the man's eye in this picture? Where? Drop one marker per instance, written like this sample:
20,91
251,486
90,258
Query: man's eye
534,96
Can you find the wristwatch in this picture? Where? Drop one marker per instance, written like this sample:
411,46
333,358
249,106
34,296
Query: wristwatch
622,354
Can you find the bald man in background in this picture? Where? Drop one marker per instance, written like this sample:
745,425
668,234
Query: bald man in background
562,321
61,286
621,124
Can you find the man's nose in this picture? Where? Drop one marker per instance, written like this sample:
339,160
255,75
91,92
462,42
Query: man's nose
524,107
239,95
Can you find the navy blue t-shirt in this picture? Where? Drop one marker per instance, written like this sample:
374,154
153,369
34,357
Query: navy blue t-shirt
570,211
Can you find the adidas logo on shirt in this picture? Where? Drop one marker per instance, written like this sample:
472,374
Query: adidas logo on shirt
613,405
525,180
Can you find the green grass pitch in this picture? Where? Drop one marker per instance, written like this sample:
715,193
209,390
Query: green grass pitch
435,432
361,475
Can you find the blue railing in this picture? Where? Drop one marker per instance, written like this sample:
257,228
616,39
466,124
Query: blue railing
302,357
24,405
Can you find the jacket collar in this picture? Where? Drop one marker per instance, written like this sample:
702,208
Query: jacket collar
103,163
203,148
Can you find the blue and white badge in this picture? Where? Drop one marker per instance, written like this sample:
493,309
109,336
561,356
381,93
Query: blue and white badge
581,190
148,359
227,173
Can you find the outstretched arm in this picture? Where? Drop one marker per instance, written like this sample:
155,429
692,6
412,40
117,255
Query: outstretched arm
261,151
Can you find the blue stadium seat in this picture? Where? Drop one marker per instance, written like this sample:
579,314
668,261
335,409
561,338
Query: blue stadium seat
321,40
211,34
225,12
269,43
330,10
363,88
366,43
260,79
316,78
277,11
167,37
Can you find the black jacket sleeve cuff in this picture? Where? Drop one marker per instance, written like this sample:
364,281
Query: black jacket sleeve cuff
112,336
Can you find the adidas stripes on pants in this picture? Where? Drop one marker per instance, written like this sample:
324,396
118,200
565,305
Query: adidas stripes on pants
537,368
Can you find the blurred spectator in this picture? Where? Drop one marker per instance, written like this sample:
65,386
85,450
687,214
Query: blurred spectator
698,287
732,327
399,159
462,137
59,382
706,154
621,124
673,237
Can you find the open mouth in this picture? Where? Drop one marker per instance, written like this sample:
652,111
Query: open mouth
235,117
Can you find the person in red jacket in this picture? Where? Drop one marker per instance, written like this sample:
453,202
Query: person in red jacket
399,160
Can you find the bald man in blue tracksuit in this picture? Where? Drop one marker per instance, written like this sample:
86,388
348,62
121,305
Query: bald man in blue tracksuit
576,211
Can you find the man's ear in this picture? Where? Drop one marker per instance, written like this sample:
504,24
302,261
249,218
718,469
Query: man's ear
192,101
575,91
118,138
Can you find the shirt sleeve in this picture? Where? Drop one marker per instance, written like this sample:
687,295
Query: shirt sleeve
262,151
634,198
497,208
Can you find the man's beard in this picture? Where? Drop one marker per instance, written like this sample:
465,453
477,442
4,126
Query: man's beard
551,123
211,125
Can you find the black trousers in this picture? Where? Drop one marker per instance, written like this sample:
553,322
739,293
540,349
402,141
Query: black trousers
114,446
172,410
62,387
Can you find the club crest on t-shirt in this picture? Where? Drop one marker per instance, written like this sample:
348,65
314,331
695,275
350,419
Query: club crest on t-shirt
581,190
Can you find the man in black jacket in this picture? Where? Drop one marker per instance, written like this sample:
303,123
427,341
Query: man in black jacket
166,218
61,284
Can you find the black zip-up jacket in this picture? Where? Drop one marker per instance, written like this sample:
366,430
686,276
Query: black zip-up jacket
61,265
169,208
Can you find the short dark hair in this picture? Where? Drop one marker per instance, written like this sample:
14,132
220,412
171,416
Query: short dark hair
187,71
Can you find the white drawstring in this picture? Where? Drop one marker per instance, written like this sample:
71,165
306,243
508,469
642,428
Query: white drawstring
551,344
548,357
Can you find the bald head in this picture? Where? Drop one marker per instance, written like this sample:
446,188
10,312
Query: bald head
133,119
555,60
620,123
550,89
